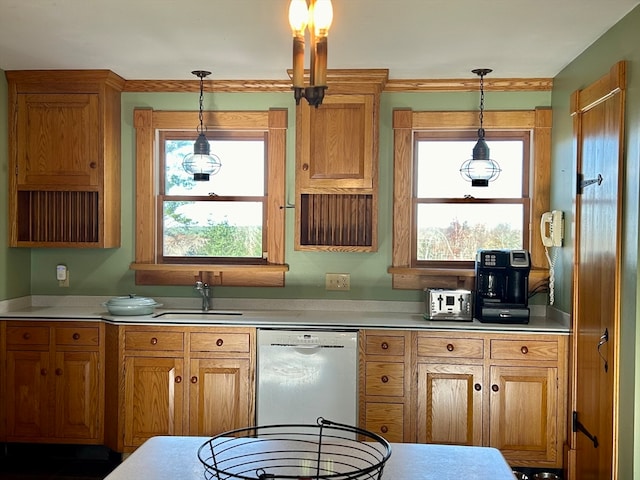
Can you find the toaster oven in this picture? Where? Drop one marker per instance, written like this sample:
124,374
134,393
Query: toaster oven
442,304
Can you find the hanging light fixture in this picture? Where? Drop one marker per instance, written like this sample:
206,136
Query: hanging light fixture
201,163
480,169
317,16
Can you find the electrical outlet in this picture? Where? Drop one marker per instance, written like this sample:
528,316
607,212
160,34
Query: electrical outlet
338,281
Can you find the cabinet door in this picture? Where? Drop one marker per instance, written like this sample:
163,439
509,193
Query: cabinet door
154,398
220,396
336,143
77,396
524,402
58,140
27,394
449,406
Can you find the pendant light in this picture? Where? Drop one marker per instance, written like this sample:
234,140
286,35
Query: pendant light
317,17
201,163
480,169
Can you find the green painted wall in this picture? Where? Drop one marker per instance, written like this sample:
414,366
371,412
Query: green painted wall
106,272
619,43
14,263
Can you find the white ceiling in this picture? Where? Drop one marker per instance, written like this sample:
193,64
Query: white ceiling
250,39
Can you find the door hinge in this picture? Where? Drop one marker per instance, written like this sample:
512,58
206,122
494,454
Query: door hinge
585,183
578,427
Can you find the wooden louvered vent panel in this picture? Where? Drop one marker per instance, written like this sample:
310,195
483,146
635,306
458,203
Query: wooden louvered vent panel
58,217
339,220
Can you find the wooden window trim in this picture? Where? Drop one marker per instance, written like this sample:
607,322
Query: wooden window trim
405,123
147,270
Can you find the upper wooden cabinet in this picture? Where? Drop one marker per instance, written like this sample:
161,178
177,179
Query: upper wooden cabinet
337,164
64,158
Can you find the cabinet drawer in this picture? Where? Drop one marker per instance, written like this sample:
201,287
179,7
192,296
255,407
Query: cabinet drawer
450,347
27,335
220,342
154,340
386,419
85,336
524,350
384,345
385,379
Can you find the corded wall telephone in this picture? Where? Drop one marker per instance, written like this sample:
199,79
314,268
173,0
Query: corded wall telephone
552,228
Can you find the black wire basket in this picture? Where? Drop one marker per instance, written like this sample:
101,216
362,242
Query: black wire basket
328,450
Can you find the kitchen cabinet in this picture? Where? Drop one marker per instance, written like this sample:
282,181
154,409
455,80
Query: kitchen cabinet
54,382
337,165
64,158
507,391
179,381
385,384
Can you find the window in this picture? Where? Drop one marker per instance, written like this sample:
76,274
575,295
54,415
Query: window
452,220
439,220
228,231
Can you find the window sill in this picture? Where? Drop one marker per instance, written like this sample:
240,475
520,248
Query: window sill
270,275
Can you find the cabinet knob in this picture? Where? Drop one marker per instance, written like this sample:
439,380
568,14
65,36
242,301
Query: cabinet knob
524,350
384,429
495,387
59,372
384,346
384,379
219,342
93,165
305,166
154,341
43,371
478,387
194,379
76,336
178,379
450,347
26,335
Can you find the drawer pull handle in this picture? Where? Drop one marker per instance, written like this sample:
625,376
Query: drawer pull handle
76,336
59,372
26,336
43,371
450,347
194,379
178,379
219,342
305,167
384,379
384,429
384,346
154,341
495,387
478,387
524,350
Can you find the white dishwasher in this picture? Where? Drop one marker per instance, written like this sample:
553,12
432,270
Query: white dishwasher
306,374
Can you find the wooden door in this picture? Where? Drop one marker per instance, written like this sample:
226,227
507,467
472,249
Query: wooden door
449,407
154,398
28,390
598,112
78,396
219,396
58,140
523,414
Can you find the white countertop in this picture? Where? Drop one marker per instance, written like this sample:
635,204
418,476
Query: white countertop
169,458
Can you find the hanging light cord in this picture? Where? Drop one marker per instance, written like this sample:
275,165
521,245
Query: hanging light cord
201,128
481,131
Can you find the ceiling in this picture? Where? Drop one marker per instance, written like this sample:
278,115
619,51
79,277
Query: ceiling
251,39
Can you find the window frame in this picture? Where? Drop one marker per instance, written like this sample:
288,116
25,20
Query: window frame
406,123
148,270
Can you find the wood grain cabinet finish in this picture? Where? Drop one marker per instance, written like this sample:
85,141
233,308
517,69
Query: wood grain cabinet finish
178,381
54,382
64,158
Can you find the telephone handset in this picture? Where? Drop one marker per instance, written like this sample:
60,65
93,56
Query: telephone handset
552,228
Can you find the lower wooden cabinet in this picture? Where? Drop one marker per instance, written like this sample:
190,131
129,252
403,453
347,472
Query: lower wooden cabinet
179,381
54,382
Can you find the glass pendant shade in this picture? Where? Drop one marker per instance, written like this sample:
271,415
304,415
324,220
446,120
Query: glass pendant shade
201,163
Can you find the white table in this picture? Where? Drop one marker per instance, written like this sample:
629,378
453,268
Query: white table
173,457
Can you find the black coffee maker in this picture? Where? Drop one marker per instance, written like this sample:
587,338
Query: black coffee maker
502,286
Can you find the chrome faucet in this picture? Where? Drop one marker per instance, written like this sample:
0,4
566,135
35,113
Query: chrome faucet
205,292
